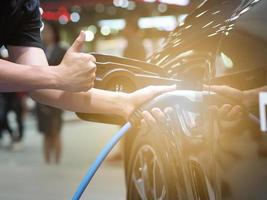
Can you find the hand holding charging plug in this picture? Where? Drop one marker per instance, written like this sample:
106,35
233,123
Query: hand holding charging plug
156,119
77,70
139,97
230,111
134,100
233,106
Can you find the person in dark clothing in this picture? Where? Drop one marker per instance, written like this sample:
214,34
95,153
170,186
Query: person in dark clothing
4,125
14,102
49,118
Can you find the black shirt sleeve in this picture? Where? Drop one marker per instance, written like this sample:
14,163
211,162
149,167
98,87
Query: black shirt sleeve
27,21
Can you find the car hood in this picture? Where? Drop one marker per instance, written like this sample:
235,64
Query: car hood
208,20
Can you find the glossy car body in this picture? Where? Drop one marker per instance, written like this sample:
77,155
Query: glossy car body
197,155
124,74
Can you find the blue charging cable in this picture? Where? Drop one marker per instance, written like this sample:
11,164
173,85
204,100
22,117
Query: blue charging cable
100,158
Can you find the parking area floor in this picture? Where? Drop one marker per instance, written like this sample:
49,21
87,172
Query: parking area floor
24,176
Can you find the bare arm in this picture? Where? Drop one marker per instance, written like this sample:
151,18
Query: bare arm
35,57
247,97
15,77
93,101
75,73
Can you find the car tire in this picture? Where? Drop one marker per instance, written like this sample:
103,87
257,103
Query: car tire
150,170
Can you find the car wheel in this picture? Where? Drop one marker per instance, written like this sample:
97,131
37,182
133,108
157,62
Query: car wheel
150,171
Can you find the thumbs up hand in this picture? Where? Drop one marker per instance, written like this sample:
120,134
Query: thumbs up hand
77,70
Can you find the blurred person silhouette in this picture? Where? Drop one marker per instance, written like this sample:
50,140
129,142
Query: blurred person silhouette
135,48
49,118
3,115
14,101
4,125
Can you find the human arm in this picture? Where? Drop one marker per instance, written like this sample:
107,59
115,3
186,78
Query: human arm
76,72
93,101
18,77
100,101
245,99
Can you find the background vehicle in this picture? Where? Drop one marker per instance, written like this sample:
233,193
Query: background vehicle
200,156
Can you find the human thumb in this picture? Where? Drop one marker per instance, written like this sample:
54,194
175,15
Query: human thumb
78,43
164,88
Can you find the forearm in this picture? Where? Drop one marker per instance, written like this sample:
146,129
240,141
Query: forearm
16,77
106,102
93,101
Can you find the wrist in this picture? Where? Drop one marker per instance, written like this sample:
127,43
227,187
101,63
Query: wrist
54,75
126,106
46,77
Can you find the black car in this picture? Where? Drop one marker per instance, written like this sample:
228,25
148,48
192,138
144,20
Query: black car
199,155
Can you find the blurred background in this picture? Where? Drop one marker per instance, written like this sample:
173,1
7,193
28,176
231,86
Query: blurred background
105,21
44,152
